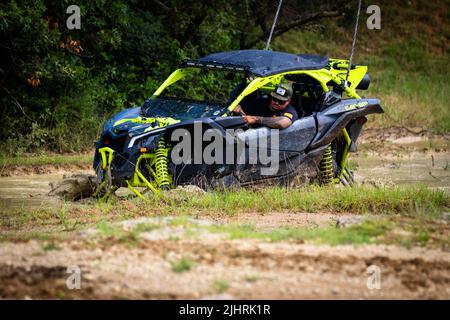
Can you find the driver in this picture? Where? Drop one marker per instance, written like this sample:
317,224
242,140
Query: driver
273,112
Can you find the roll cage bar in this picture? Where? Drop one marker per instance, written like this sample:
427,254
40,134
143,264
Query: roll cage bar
335,72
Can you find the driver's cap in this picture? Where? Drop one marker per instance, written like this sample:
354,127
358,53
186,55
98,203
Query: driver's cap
283,91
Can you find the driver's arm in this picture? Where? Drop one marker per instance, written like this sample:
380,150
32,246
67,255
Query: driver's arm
271,122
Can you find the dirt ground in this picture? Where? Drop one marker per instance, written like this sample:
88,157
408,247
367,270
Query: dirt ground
221,268
250,269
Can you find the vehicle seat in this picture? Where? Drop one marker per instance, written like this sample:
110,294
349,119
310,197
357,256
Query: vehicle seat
308,94
307,99
296,103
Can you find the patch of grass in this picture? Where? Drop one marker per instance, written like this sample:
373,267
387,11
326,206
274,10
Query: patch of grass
45,159
68,225
427,231
145,227
105,207
419,230
50,246
70,216
127,237
60,295
221,285
14,218
251,278
179,221
366,232
31,235
406,231
182,265
108,229
360,199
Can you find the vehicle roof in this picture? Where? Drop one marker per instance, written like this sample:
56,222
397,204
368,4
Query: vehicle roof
260,63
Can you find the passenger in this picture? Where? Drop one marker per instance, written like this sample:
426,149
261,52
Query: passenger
273,112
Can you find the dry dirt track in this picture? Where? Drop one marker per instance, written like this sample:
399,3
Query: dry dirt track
251,270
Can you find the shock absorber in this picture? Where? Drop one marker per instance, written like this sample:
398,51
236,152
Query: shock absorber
162,176
326,166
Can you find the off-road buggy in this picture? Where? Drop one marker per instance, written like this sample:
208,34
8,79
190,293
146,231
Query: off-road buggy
136,145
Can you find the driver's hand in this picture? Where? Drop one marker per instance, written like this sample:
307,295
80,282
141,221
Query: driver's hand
239,110
250,119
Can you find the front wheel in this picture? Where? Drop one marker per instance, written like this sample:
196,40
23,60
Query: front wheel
103,183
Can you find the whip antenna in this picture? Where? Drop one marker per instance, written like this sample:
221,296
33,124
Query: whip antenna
273,25
353,43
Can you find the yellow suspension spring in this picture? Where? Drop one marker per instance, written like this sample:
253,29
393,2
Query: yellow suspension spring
326,167
161,173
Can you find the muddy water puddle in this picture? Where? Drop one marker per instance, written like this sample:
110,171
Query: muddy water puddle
28,190
32,191
430,170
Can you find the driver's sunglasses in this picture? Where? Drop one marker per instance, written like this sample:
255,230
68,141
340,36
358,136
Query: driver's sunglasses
278,101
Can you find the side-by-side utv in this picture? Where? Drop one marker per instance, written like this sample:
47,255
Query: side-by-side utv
134,149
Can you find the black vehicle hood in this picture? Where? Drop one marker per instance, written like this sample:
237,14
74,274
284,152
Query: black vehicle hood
261,63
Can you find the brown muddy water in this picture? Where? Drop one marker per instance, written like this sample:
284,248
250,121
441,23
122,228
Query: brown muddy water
432,171
415,168
28,190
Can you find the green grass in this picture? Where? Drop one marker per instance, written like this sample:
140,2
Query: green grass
50,246
69,214
360,199
16,218
418,231
46,159
108,229
423,231
251,278
182,265
12,236
128,237
68,224
221,285
405,200
366,232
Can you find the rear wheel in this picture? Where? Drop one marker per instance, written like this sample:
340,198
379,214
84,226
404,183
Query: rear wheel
326,166
330,167
342,171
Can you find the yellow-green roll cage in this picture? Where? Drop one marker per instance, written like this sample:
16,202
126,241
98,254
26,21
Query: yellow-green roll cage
336,73
323,76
